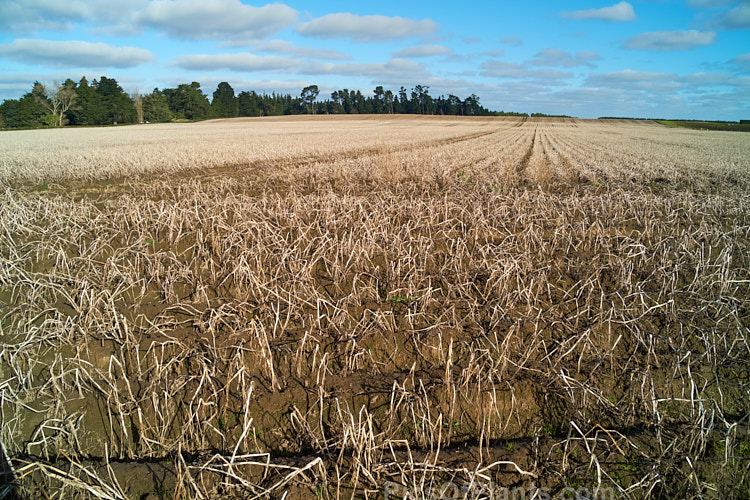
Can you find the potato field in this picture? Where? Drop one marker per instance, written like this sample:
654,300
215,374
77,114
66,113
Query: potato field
375,307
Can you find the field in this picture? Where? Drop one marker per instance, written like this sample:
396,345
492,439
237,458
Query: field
696,125
361,307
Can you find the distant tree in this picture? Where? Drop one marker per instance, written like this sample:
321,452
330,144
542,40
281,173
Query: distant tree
250,104
388,101
117,105
545,115
338,97
378,105
58,99
420,99
89,109
28,111
10,111
156,107
358,102
188,102
471,105
39,94
455,105
224,103
104,102
272,105
403,101
308,96
350,101
138,105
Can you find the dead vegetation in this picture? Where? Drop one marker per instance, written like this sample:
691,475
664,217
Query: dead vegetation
377,306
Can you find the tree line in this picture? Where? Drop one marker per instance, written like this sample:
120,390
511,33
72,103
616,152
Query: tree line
104,102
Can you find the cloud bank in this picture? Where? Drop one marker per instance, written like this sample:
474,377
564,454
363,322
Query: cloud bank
423,51
620,12
670,40
218,19
75,54
367,28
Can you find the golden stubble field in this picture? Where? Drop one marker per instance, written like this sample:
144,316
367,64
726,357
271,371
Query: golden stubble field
371,307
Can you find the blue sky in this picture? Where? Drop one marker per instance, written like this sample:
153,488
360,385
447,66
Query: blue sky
656,58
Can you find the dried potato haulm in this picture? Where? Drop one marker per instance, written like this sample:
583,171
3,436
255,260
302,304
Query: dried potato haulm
354,306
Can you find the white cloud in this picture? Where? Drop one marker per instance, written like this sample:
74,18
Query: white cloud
13,85
622,11
74,54
494,53
588,55
28,17
247,62
629,79
629,76
560,58
284,47
218,19
423,51
395,69
737,18
708,79
708,4
22,18
367,28
664,84
670,40
504,69
511,40
243,61
742,61
591,102
111,11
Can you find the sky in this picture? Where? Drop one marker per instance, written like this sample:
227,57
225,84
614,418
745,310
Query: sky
649,59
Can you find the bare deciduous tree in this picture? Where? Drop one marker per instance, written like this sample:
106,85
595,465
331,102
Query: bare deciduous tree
58,99
138,103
